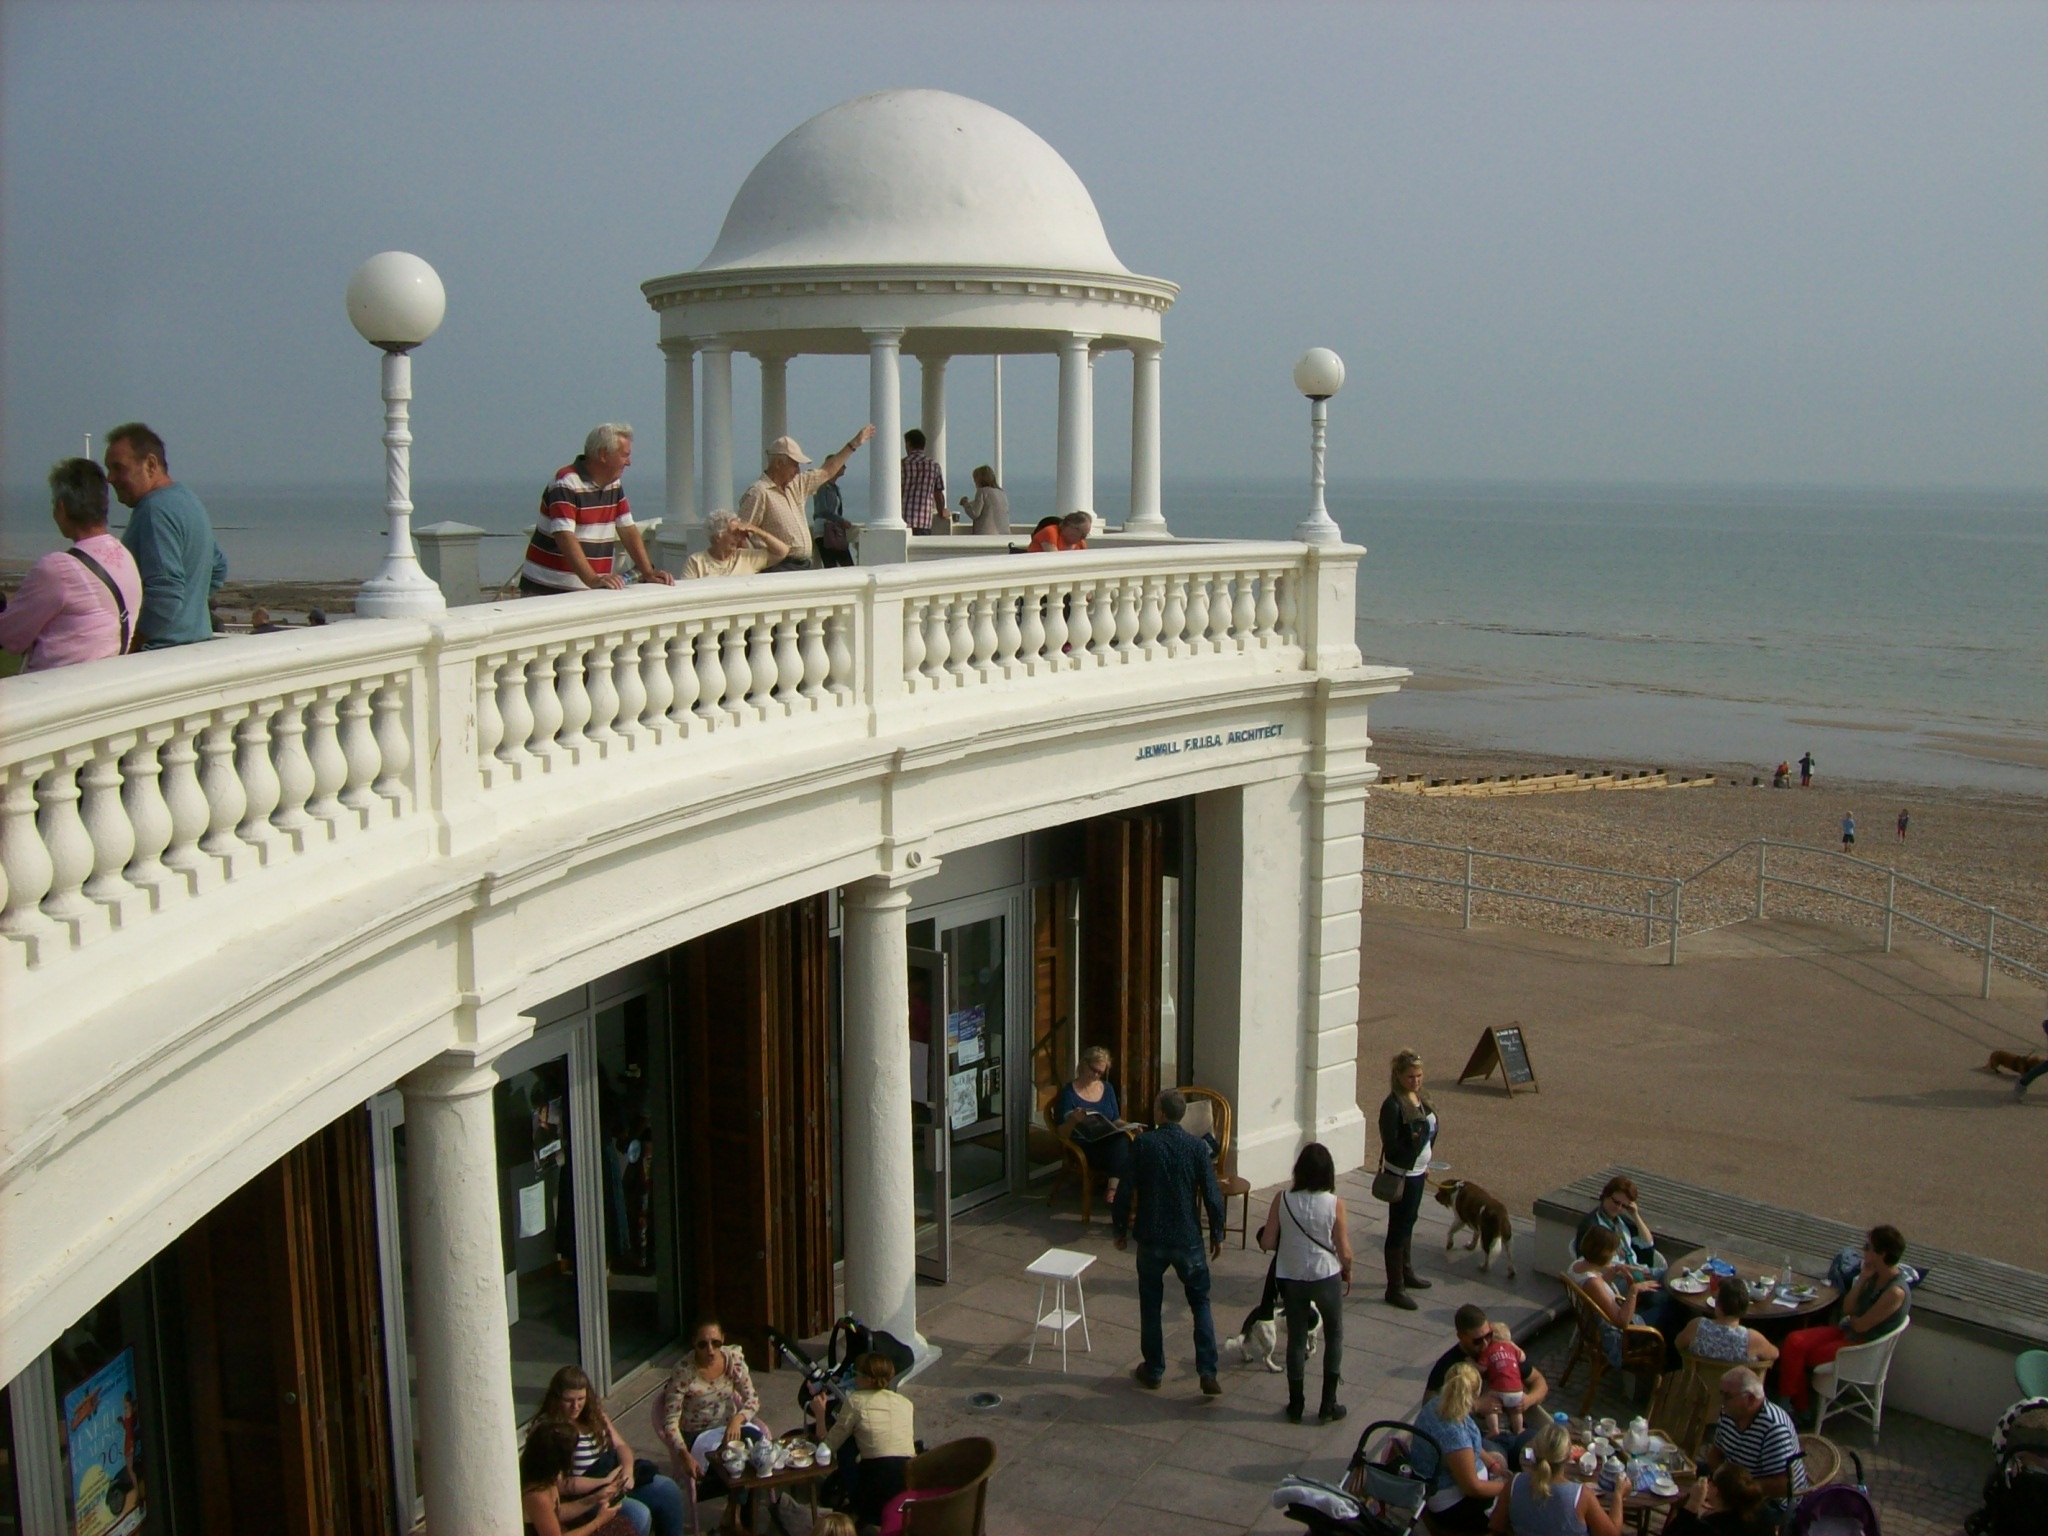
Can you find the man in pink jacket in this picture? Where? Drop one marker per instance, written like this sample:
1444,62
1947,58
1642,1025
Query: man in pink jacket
78,604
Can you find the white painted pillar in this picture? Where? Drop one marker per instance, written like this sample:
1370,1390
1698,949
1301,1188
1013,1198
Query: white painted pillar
680,429
774,401
932,377
469,1470
885,410
996,460
1076,418
1336,889
717,425
875,1124
1088,450
1146,516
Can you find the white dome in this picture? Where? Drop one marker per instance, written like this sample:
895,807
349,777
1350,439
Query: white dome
913,178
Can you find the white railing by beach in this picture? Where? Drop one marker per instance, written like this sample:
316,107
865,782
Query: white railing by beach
1663,897
130,786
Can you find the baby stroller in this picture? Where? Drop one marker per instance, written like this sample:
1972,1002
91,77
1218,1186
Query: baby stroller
1382,1493
834,1376
1840,1509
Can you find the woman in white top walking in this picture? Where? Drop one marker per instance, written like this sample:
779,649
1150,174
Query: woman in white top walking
1305,1228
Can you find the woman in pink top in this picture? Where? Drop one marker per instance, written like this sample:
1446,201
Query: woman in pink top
78,604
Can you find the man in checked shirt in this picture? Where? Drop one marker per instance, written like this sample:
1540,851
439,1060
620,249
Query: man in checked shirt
924,485
1172,1177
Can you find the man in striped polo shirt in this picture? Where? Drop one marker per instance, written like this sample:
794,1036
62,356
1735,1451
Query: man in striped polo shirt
583,516
1758,1436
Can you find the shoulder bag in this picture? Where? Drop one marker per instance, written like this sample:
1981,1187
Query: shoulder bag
1288,1206
120,602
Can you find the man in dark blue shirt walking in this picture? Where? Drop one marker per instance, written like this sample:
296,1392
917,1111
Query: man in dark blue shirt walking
1172,1177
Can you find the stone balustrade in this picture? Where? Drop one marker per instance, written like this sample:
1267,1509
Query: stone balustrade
129,787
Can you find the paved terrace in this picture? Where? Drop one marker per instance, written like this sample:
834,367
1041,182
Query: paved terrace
1089,1451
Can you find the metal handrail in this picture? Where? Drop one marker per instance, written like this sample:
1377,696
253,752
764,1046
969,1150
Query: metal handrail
1654,885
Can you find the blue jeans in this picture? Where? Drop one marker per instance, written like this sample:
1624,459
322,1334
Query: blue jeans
1192,1265
657,1505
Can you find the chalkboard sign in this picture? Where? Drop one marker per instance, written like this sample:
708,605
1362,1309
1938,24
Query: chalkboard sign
1504,1048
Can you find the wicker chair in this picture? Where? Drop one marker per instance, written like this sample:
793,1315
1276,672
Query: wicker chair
957,1473
1207,1103
1073,1159
1642,1347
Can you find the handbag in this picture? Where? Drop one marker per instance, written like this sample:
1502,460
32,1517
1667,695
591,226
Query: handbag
1389,1184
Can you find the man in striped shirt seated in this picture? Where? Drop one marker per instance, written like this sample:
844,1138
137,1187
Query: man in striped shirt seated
1757,1435
583,516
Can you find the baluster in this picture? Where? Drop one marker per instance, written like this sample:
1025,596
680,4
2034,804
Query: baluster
658,683
1173,621
938,646
260,788
1198,615
959,639
913,643
816,665
710,677
682,676
575,698
294,772
839,650
629,722
106,823
179,758
1219,612
24,856
394,742
1244,617
149,818
739,674
544,699
359,749
67,840
789,666
1147,619
1290,608
222,787
1102,621
323,752
1032,641
761,672
602,688
983,629
490,725
1269,607
513,707
1009,633
1077,600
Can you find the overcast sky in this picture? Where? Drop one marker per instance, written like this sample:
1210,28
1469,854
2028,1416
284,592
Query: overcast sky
1706,243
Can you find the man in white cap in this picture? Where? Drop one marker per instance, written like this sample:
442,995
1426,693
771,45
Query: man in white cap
776,500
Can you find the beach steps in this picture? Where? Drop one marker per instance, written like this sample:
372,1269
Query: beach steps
1544,783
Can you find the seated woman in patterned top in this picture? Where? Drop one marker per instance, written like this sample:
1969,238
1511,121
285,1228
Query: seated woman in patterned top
1724,1336
709,1401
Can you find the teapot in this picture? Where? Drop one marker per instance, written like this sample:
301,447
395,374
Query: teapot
1637,1441
764,1457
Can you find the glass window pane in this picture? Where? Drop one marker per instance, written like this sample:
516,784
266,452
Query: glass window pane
976,1023
537,1214
105,1381
635,1124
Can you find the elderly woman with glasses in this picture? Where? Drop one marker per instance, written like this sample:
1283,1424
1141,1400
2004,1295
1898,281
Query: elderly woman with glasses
1618,1213
709,1401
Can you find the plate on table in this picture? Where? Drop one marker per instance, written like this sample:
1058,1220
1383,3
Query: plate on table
1664,1487
1689,1285
1796,1293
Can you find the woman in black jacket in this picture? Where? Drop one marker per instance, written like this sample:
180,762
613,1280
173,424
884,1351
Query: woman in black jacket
1407,1138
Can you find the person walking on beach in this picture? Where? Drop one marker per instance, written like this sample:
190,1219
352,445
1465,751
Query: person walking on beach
1806,769
1904,818
1172,1178
776,500
76,604
584,515
1848,830
171,539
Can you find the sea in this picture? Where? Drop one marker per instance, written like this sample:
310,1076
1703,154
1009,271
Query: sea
1899,637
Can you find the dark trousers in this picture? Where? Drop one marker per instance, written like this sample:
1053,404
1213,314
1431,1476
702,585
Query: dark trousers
829,558
1192,1265
1326,1296
1108,1154
1401,1216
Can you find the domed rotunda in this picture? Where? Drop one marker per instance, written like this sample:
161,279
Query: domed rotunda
918,222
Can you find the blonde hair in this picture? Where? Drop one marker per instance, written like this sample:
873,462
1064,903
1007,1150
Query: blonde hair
834,1523
1404,1063
1461,1390
1096,1056
1550,1447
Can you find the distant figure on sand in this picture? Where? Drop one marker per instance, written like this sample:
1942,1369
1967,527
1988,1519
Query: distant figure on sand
1904,818
1781,776
2028,1077
1806,769
1848,830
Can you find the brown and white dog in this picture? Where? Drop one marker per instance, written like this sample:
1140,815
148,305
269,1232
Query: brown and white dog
2010,1061
1485,1215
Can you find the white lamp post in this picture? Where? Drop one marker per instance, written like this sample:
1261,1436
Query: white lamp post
1319,375
397,301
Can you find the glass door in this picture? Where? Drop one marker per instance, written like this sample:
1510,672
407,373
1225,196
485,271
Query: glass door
931,1142
540,1200
638,1165
977,1026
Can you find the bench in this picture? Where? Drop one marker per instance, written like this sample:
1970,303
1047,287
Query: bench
1972,1317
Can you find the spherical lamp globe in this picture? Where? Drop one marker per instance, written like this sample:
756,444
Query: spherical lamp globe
1319,374
397,301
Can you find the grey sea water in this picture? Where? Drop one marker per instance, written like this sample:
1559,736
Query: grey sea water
1908,632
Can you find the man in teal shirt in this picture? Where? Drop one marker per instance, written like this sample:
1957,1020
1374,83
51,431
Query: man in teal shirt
171,539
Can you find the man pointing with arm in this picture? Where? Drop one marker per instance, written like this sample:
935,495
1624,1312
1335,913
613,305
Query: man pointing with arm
776,500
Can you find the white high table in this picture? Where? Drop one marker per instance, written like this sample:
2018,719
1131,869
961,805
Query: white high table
1059,1266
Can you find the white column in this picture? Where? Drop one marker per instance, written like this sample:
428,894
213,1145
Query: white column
1076,419
1336,889
885,410
469,1470
717,425
932,378
1088,450
1146,515
681,433
996,460
774,401
875,1125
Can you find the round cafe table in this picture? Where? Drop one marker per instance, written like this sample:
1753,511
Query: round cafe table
1772,1317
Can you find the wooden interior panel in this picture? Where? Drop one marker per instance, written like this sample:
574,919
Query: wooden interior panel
1120,950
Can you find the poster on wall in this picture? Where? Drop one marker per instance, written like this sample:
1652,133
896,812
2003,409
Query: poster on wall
963,1107
967,1031
103,1432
